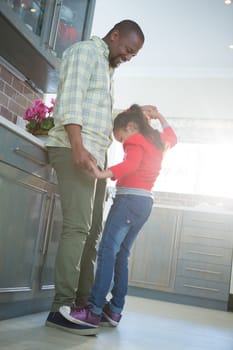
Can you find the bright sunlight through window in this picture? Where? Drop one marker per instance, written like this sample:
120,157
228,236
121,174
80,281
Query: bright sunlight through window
204,169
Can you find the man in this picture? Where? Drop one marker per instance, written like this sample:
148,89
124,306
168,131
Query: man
82,134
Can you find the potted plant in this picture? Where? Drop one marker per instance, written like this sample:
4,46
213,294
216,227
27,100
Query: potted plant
39,118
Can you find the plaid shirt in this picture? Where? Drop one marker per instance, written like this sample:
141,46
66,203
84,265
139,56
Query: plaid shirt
84,97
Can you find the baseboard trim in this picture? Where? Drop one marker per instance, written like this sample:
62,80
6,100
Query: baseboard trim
24,307
181,299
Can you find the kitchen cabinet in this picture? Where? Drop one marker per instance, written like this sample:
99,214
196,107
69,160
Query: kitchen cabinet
205,255
154,255
30,217
186,254
41,31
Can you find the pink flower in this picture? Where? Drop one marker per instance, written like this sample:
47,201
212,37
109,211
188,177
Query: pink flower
39,111
36,116
29,114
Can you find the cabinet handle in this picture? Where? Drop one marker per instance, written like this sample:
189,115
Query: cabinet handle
177,230
47,229
26,155
54,24
198,287
200,270
205,236
203,253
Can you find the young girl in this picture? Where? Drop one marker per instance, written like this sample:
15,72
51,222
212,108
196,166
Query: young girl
144,148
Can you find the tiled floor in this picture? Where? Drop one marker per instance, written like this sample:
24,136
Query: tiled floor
146,325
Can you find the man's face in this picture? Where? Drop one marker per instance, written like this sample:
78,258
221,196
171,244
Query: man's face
123,47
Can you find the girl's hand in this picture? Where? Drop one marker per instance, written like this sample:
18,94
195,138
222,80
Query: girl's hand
100,174
150,111
94,170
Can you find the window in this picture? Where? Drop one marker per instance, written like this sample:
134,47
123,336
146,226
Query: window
203,169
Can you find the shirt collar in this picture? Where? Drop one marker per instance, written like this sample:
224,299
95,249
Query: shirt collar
102,45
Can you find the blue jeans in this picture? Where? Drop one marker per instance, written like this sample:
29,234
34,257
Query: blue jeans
126,217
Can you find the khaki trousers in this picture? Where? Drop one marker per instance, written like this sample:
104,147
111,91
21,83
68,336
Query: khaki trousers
82,201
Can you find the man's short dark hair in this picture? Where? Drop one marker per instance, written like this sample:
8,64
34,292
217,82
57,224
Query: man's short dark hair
126,26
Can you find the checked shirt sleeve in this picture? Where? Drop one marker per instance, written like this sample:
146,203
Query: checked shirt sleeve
76,71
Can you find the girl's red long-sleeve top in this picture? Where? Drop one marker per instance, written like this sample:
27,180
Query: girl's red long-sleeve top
142,160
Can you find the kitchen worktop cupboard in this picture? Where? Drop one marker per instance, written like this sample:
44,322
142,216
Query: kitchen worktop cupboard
30,217
184,255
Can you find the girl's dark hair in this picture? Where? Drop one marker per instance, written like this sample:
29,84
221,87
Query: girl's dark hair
135,114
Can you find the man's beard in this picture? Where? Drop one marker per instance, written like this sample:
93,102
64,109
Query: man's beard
115,61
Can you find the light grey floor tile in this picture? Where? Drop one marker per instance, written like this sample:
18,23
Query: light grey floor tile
146,325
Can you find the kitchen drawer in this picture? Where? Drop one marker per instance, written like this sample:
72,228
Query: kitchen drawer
209,221
207,236
23,154
202,288
207,254
205,271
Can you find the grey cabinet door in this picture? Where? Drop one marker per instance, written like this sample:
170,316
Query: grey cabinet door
154,255
23,202
205,255
30,225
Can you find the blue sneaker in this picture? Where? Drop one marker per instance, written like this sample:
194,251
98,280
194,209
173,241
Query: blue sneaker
55,319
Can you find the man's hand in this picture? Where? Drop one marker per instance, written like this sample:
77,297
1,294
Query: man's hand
81,156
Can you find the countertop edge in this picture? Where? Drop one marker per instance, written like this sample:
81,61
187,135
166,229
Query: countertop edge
199,208
22,132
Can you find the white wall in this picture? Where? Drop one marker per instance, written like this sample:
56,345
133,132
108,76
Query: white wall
185,66
178,97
